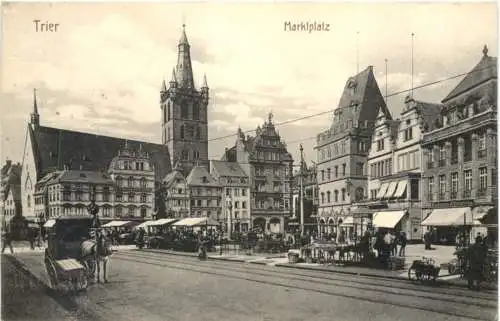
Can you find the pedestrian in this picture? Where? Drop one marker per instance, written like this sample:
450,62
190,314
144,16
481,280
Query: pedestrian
7,240
31,237
402,241
476,260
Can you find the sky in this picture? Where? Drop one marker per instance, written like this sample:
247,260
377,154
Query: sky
101,71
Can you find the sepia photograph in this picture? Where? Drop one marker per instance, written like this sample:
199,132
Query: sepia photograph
248,161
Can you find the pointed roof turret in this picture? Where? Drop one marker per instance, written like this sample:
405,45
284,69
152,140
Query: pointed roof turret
183,40
204,85
174,78
35,117
163,86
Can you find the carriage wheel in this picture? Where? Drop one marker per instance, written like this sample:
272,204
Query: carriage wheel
52,272
412,275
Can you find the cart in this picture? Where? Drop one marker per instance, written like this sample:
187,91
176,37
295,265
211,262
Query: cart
63,262
423,270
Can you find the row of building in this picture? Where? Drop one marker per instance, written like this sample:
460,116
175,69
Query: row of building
371,167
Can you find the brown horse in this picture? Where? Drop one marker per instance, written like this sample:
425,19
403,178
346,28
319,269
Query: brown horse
94,253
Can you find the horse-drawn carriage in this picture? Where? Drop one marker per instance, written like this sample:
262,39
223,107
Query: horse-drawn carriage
71,256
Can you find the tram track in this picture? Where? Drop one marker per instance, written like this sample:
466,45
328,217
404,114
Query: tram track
361,281
478,309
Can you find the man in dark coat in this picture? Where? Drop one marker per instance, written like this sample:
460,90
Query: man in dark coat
476,259
7,240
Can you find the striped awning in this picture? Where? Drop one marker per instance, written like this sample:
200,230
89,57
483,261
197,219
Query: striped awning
400,190
391,189
382,190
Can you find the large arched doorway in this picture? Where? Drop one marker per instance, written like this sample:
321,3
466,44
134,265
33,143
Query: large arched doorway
321,227
275,225
331,225
259,223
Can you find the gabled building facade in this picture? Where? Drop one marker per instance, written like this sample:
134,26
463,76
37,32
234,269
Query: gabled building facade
342,152
394,164
176,194
205,193
269,165
460,154
236,210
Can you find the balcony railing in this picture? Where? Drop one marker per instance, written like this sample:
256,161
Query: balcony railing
481,153
430,165
442,162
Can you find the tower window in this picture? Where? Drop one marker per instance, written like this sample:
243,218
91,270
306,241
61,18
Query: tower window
196,111
198,132
196,154
184,109
168,111
182,131
185,155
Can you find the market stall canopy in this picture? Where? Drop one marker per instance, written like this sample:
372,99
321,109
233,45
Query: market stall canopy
401,189
390,190
144,224
387,219
382,190
197,221
49,223
162,221
450,217
116,224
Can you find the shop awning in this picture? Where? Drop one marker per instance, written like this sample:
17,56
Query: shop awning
197,221
387,219
382,190
401,189
349,220
390,190
450,217
49,223
116,223
144,224
163,221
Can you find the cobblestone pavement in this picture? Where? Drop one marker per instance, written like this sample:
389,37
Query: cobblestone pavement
158,286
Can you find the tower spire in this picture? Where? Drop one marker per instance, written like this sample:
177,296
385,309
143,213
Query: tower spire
184,72
35,117
204,85
163,86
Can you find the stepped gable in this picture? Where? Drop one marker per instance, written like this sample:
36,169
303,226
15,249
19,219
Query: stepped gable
55,148
485,70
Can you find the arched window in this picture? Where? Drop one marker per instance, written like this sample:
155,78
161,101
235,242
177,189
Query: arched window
119,181
130,181
198,132
196,111
196,154
185,155
182,131
184,110
165,119
168,111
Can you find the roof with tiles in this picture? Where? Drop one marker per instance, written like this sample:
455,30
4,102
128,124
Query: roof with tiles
485,70
228,169
200,176
55,148
78,177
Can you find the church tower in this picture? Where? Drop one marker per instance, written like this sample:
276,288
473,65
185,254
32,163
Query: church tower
184,113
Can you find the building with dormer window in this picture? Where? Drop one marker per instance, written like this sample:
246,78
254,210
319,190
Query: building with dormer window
342,152
205,193
176,194
459,182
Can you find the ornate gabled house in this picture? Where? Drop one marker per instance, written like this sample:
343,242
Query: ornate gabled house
52,149
269,165
176,194
343,150
185,114
205,193
394,164
10,191
236,211
460,154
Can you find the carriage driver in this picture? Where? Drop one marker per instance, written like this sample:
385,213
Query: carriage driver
93,210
